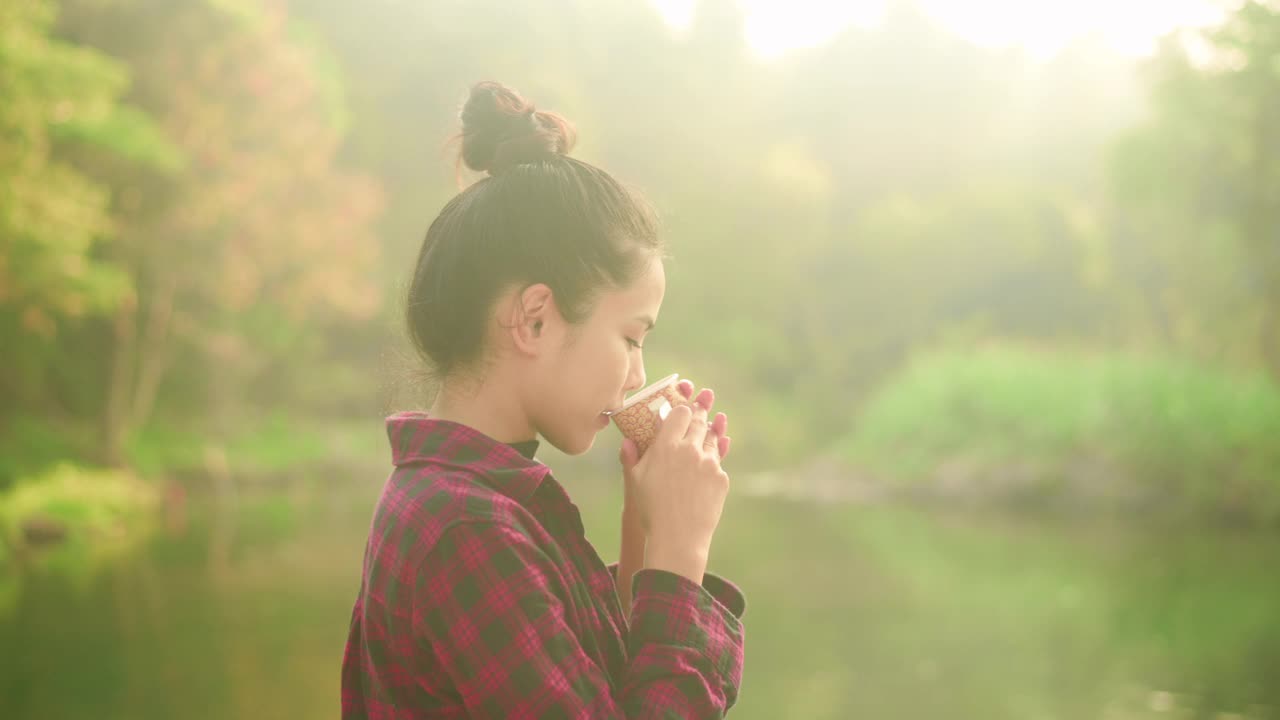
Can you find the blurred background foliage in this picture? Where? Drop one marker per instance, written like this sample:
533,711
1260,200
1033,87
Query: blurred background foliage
998,333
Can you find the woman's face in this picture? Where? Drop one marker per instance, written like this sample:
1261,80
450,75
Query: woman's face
599,364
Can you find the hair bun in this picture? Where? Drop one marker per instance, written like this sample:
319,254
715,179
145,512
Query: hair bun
500,129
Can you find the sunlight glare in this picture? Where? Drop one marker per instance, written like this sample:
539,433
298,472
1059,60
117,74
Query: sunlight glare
1041,27
774,27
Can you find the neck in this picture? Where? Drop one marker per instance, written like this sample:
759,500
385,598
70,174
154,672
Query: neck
489,407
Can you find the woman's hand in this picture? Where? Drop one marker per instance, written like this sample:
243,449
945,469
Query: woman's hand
628,458
631,555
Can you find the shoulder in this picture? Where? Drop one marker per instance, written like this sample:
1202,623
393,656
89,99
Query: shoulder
427,499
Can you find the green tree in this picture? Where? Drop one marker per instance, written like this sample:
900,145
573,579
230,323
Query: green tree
263,240
1196,222
827,213
55,219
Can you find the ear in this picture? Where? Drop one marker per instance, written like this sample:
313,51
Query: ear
532,315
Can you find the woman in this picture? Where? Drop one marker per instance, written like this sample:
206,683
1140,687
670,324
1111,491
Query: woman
480,598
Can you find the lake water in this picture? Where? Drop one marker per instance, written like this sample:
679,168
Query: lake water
239,610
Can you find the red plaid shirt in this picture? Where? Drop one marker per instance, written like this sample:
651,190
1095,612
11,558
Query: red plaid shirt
482,598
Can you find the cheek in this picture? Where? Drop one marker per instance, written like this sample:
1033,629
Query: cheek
615,364
600,365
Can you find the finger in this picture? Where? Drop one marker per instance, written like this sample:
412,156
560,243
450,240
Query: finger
676,424
715,430
706,398
721,424
686,388
724,446
628,455
698,426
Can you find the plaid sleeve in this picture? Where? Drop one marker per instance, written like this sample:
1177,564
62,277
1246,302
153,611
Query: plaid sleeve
491,606
724,591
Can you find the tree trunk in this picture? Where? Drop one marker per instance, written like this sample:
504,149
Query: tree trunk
1263,222
1269,339
138,365
155,352
115,416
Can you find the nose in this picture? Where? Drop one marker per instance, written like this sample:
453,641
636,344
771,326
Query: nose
635,378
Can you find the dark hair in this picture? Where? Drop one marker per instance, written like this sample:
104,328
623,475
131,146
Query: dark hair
539,217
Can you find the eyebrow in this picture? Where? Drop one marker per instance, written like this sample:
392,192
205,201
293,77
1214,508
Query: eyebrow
647,320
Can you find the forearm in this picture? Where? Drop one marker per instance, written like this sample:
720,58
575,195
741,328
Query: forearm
630,559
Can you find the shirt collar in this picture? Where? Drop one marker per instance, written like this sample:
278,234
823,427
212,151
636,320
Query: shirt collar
418,438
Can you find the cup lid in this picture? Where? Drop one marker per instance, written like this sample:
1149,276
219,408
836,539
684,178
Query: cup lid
652,388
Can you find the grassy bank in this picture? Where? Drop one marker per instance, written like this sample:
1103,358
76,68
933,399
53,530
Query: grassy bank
63,516
1133,433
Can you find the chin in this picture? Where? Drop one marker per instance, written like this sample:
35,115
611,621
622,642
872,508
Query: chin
581,447
574,446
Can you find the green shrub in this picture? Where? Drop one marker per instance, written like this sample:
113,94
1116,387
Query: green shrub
1161,429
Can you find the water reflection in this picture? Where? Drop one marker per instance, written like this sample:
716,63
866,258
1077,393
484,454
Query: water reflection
238,606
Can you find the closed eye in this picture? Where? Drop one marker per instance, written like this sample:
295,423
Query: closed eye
634,344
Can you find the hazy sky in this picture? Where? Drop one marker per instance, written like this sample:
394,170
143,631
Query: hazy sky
1041,26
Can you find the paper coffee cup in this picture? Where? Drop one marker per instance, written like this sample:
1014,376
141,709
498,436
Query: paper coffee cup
639,416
